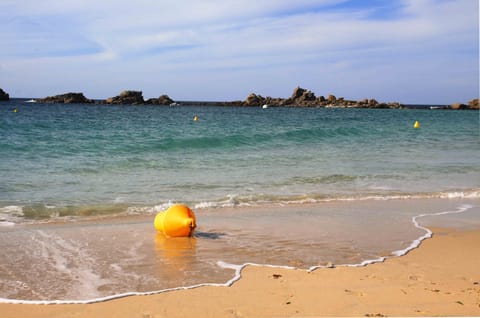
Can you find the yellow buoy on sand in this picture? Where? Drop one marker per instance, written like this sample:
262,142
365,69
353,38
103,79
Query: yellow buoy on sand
416,125
177,220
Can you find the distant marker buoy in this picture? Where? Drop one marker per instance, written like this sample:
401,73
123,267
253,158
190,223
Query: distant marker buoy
15,110
416,125
178,220
195,118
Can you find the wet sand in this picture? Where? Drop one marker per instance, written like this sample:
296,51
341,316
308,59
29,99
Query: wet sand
441,277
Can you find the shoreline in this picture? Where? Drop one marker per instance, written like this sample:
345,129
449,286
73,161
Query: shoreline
438,278
453,252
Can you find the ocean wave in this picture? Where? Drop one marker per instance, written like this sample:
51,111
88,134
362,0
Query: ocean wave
41,213
11,215
253,200
239,139
265,199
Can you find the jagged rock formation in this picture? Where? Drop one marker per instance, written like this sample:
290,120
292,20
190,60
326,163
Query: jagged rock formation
306,98
68,98
136,98
127,97
4,96
162,100
472,104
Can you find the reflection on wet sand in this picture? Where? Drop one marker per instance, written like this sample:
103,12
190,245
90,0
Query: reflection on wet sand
175,249
176,257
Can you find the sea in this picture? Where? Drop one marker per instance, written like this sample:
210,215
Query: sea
304,188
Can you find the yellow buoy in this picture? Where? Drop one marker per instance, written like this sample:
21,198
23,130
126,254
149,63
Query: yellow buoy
195,118
416,125
177,220
15,110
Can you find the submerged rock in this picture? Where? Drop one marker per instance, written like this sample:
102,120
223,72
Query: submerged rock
4,96
68,98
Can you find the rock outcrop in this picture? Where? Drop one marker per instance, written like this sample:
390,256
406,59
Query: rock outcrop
474,104
162,100
68,98
456,106
302,97
127,97
4,96
254,100
305,98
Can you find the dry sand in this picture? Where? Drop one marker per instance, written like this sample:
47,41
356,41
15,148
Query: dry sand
442,277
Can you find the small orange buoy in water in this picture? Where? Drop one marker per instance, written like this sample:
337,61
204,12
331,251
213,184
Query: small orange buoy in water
416,125
177,220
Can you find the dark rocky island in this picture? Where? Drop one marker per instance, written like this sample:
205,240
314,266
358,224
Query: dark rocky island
162,100
136,98
68,98
4,96
305,98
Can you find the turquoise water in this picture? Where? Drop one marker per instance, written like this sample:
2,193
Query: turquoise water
80,185
77,160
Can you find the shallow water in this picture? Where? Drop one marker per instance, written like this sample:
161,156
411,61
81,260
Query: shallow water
93,259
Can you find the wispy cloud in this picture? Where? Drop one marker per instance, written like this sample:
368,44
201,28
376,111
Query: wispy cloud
383,49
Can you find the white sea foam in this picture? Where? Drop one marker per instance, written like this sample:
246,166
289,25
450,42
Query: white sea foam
14,214
238,268
428,232
205,205
10,215
12,209
150,209
472,194
233,200
119,200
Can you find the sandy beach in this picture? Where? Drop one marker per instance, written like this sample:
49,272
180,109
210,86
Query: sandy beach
440,278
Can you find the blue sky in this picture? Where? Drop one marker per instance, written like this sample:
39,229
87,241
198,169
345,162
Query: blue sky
411,51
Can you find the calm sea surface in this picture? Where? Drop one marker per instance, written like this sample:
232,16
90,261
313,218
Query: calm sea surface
267,185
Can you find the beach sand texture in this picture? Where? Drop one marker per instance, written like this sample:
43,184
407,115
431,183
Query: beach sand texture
442,277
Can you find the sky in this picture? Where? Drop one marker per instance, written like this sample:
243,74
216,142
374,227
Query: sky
410,51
